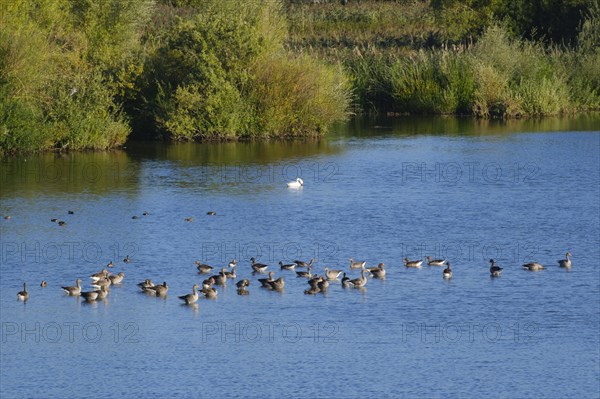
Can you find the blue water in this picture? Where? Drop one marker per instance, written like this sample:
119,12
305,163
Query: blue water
374,194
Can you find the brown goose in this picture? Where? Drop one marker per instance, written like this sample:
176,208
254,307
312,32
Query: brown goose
266,282
412,263
378,272
221,278
361,281
23,295
305,273
565,262
357,264
102,282
533,266
118,279
258,267
300,263
101,274
145,284
102,292
190,298
203,267
230,274
158,290
243,283
435,262
76,290
277,285
209,292
332,274
289,266
90,296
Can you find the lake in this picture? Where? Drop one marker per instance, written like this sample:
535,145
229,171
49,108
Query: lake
374,190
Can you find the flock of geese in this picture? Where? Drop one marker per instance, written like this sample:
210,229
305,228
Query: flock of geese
104,279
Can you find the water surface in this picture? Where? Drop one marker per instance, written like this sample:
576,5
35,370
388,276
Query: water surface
374,190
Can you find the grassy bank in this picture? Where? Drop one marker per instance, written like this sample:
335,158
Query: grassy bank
76,74
447,57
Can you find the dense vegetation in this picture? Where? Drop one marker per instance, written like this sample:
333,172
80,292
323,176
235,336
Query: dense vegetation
83,74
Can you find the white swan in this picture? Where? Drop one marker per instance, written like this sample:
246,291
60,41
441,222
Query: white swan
296,183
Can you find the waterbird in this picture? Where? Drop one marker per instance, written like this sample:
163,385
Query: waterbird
495,271
565,262
62,223
277,285
305,273
258,267
127,259
103,282
265,282
221,278
361,281
158,290
209,292
145,284
378,272
233,263
102,292
109,264
211,213
332,274
435,262
43,284
533,266
243,291
23,295
243,283
90,295
296,183
190,298
203,267
76,290
357,264
300,263
288,266
230,274
118,279
101,274
447,272
190,219
412,263
346,281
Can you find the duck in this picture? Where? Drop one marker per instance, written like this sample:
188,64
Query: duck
332,274
145,284
190,219
158,290
211,213
495,271
243,283
54,220
203,267
305,273
258,267
209,281
127,259
533,266
289,266
43,284
357,264
314,282
435,262
76,290
233,263
221,278
101,274
62,223
298,183
145,213
109,264
412,263
361,281
23,295
378,272
346,281
243,291
565,262
90,296
277,285
265,282
447,272
300,263
118,279
190,298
